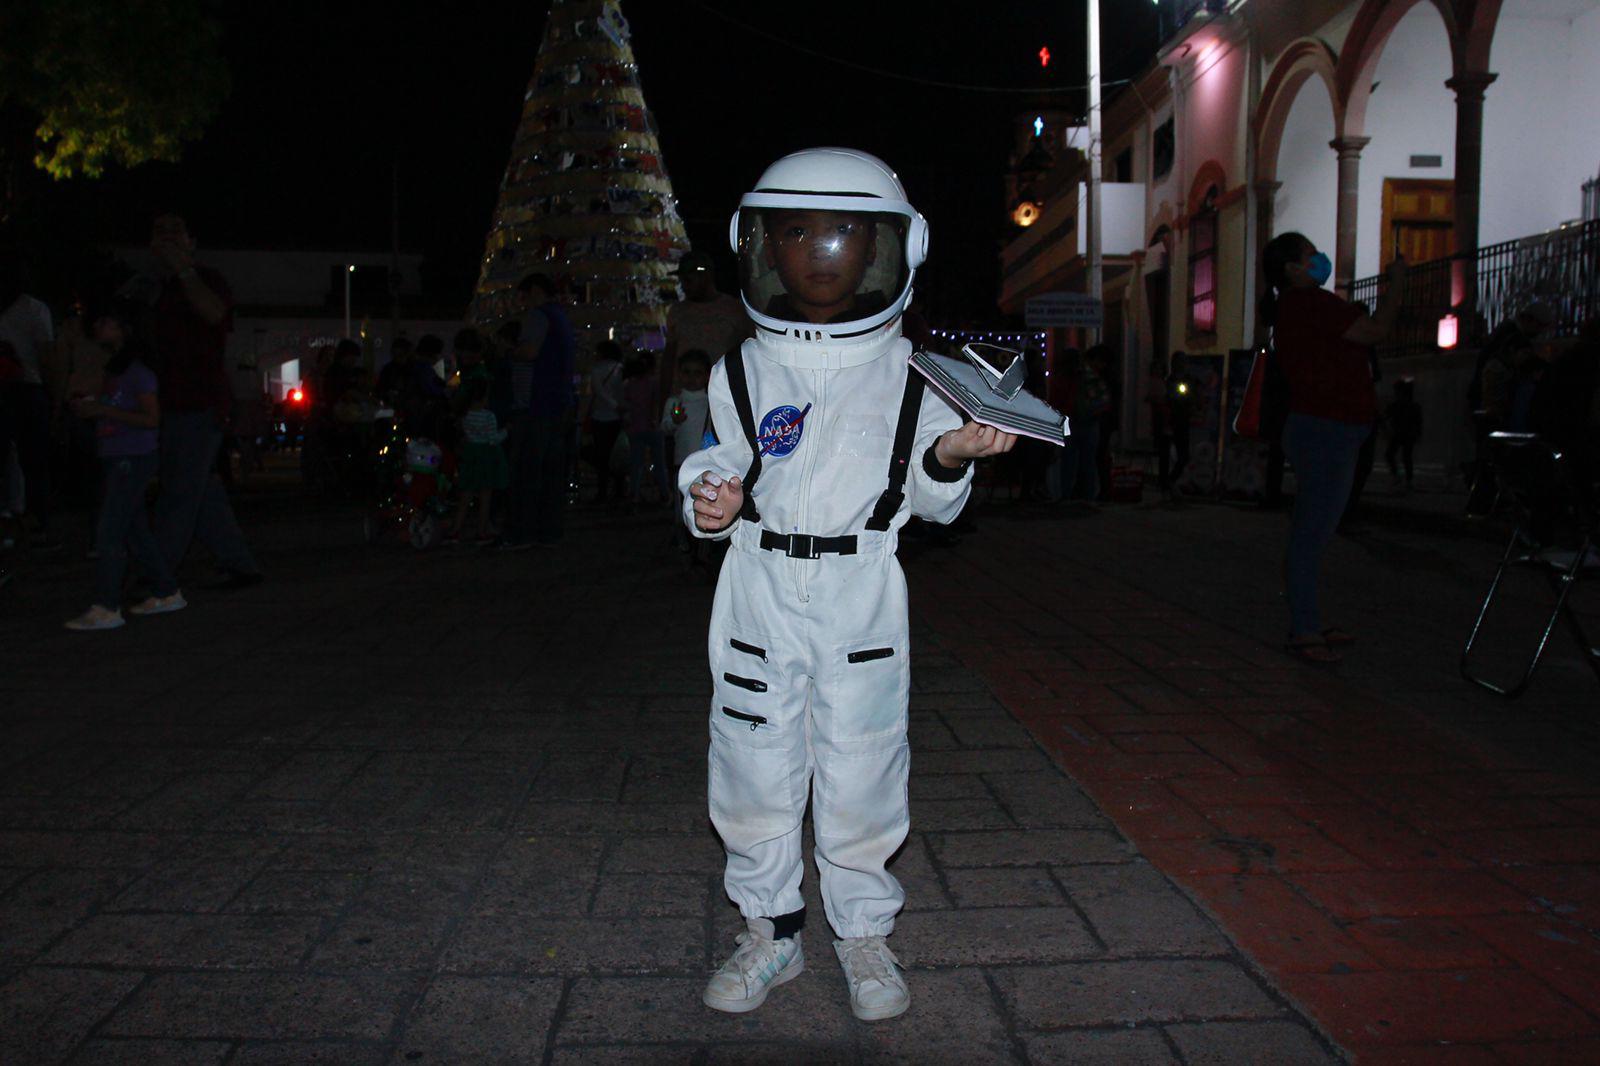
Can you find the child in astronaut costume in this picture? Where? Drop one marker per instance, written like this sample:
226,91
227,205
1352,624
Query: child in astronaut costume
827,444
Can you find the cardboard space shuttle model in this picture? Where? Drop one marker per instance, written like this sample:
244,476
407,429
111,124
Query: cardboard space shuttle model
987,385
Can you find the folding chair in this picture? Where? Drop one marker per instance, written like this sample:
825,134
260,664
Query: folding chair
1538,480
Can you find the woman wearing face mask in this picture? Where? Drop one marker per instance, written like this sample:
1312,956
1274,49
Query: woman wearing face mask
1322,341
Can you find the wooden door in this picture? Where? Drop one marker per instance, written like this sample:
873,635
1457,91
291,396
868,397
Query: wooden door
1418,220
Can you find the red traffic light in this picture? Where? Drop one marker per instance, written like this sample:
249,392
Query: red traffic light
297,396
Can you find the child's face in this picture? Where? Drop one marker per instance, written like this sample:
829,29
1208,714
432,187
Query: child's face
693,377
821,257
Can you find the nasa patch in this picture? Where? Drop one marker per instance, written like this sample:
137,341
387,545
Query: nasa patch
780,430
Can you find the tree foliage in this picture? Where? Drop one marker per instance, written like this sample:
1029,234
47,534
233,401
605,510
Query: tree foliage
85,84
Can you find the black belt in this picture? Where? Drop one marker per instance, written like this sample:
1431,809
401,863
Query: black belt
806,546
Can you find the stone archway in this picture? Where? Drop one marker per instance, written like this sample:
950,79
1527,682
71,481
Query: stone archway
1364,47
1303,60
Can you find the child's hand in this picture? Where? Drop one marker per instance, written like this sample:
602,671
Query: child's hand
716,502
972,441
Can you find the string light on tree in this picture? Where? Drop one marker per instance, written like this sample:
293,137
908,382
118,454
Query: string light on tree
1044,56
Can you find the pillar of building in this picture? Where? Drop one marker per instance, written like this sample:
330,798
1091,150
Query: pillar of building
1469,89
1266,221
1349,209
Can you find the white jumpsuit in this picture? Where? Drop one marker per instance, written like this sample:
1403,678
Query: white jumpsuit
809,657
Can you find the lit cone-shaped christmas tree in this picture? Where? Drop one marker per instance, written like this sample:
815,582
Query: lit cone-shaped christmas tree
586,198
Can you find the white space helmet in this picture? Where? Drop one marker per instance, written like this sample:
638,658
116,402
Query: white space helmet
827,237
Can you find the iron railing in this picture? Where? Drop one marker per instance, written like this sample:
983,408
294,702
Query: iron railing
1560,268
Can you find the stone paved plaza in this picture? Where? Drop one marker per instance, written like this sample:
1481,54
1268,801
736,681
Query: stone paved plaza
393,807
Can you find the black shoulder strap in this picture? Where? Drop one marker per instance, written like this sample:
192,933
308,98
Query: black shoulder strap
740,388
905,434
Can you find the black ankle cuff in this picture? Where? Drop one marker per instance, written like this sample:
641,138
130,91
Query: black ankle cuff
787,925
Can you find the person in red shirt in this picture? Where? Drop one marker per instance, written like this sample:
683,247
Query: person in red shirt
1321,341
192,317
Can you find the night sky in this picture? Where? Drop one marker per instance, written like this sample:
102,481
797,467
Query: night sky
327,97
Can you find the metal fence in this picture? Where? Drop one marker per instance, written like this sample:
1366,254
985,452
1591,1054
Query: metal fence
1560,268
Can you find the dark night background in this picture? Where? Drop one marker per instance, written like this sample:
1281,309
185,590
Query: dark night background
325,97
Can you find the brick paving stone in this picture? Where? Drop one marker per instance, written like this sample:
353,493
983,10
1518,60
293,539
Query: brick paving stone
202,876
779,1054
655,1055
1249,855
297,1052
1564,953
992,935
144,1052
1376,839
1276,926
365,941
481,1019
1004,887
1131,992
577,945
262,1006
1044,800
1037,847
45,1013
650,896
814,1007
1430,1055
1134,910
1578,1052
662,854
1390,893
592,818
1271,822
1250,1044
935,815
941,787
979,760
1469,1007
916,873
204,941
1101,1047
297,892
1424,944
954,1014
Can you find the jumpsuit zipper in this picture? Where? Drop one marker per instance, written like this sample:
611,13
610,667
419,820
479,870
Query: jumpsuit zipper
802,586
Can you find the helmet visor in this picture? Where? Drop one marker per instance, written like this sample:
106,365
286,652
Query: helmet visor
814,265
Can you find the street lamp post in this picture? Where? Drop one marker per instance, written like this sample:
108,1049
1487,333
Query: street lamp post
1096,265
349,268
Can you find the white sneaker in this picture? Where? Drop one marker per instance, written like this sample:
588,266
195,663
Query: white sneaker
758,964
160,604
97,617
877,988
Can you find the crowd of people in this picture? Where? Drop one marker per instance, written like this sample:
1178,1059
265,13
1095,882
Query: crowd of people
521,430
136,383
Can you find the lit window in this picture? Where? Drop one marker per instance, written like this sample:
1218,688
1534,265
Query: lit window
1203,267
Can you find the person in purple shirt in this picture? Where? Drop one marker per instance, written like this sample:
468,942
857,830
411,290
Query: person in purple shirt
127,419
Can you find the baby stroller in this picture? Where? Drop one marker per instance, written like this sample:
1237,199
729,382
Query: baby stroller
1547,490
415,479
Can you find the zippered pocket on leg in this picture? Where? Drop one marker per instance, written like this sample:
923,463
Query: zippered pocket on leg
868,655
753,719
748,649
749,684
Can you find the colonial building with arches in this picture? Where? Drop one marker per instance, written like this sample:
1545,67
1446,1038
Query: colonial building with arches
1436,129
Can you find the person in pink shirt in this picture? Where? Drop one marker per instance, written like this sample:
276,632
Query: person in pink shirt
641,398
